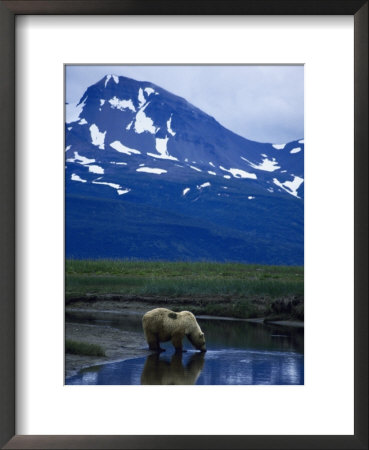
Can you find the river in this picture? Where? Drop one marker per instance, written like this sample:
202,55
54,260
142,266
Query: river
238,353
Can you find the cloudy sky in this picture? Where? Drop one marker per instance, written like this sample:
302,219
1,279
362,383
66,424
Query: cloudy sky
262,103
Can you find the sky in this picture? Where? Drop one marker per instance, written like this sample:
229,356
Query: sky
264,103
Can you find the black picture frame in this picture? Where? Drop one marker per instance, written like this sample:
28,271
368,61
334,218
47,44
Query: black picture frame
8,11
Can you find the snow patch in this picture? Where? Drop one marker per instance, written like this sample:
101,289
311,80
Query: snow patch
70,128
158,156
161,147
97,137
113,185
207,184
212,165
185,191
123,191
250,197
141,98
80,159
118,163
290,187
109,77
119,147
169,127
195,168
267,164
279,146
75,177
151,170
68,148
122,105
128,127
295,150
301,141
238,173
211,173
227,176
102,101
96,169
144,123
149,90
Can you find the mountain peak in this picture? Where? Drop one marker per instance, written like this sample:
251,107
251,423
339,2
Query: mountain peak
132,141
115,78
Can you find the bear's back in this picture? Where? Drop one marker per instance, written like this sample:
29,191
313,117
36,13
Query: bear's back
157,312
166,322
155,317
160,320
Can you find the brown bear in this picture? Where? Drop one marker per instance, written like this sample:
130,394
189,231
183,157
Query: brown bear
162,325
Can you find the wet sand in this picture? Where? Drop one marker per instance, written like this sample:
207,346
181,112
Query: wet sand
118,345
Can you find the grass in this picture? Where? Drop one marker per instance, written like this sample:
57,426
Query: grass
201,269
231,289
82,348
179,279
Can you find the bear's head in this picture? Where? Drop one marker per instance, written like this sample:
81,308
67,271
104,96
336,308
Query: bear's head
198,340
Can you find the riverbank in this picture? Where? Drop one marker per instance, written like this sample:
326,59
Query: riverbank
239,352
225,291
118,344
290,308
216,289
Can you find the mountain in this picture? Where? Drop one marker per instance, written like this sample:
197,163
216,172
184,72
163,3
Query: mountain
150,176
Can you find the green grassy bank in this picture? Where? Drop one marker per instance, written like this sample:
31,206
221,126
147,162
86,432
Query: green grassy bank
223,289
82,348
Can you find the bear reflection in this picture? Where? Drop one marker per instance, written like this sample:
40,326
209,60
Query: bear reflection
158,370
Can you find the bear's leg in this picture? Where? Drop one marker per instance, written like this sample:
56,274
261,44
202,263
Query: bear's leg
177,342
153,341
159,349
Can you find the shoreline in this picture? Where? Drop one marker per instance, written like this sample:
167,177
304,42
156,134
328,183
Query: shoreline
120,345
135,307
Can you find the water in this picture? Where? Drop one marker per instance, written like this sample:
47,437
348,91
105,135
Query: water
238,353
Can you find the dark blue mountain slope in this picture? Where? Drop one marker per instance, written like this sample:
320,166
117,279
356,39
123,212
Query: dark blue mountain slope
150,176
